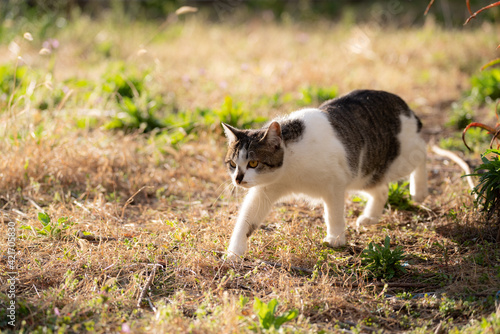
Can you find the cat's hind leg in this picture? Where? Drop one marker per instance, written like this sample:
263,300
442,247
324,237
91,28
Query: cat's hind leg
377,197
418,182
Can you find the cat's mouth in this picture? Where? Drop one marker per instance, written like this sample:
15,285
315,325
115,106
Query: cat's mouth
243,184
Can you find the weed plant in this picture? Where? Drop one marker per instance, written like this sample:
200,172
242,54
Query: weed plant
399,196
486,85
488,187
50,229
267,314
382,262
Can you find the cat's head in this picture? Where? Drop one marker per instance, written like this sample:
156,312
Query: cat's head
254,157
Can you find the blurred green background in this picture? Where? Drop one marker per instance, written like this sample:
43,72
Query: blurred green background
447,12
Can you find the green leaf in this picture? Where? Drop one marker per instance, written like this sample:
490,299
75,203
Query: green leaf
265,312
44,218
387,242
243,300
64,223
287,316
55,232
257,305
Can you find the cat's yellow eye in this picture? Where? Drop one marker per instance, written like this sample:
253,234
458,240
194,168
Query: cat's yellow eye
253,163
232,164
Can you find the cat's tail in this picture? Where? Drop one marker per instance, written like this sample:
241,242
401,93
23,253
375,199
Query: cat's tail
455,158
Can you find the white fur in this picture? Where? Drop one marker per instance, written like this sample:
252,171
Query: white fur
316,166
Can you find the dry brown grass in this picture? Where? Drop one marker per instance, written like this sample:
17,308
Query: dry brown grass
145,204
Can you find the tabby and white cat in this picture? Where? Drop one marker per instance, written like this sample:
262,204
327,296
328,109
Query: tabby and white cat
360,141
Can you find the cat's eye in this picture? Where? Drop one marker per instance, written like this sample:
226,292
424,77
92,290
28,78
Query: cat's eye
253,163
232,164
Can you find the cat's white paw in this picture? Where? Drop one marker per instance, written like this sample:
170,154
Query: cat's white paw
232,257
366,221
334,240
236,250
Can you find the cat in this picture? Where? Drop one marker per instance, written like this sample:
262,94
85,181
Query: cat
360,141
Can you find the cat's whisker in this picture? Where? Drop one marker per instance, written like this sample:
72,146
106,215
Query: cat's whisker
227,185
267,198
262,201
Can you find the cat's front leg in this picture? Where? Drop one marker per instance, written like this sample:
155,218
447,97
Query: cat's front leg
334,219
255,208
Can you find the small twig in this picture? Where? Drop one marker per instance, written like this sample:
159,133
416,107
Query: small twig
427,210
33,230
19,213
36,290
472,16
131,199
92,238
468,7
148,283
110,266
38,207
455,158
495,136
80,205
439,329
428,7
153,307
64,100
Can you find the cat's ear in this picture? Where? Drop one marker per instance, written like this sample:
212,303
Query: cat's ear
273,134
230,132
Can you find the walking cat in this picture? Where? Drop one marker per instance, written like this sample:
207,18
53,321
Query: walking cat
360,141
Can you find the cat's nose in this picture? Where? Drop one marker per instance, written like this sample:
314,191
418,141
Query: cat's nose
239,178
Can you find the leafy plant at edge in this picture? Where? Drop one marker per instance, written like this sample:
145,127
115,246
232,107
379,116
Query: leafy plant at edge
267,314
138,113
50,229
381,261
125,81
317,95
488,188
233,114
486,85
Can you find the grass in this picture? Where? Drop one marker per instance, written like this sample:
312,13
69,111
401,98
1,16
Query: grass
143,195
399,196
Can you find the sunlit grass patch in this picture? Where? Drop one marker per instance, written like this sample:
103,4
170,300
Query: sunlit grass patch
152,191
